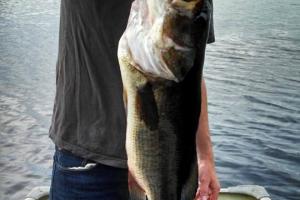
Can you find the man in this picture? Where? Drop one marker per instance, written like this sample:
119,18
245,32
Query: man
88,123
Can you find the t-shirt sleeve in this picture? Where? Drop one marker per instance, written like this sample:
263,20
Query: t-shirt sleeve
211,32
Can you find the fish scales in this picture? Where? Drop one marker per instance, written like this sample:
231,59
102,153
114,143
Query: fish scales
163,110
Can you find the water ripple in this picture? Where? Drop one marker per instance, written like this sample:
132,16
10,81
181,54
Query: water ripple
253,81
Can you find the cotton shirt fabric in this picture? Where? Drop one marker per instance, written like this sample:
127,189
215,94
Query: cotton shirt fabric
89,118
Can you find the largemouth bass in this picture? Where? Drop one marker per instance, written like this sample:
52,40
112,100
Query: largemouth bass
161,55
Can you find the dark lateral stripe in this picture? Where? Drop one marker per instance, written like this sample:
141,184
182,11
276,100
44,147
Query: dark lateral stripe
147,107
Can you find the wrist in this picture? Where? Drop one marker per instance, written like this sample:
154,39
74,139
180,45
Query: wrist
204,151
205,158
209,161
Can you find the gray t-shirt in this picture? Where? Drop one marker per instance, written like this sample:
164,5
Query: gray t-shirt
88,115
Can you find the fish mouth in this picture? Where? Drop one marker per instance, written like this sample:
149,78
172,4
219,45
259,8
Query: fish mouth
160,37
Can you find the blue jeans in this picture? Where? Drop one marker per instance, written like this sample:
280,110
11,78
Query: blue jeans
76,178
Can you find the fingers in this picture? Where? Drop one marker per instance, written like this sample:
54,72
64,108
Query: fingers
208,190
203,191
215,190
204,187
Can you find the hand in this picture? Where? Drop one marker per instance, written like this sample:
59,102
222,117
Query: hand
208,184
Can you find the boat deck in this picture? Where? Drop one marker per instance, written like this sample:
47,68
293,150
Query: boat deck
241,192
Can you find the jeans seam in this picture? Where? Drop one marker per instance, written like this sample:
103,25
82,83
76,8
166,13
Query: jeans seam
53,175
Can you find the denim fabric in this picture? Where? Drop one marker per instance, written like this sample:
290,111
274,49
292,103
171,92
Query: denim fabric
76,178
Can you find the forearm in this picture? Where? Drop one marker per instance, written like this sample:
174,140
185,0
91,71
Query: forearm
203,141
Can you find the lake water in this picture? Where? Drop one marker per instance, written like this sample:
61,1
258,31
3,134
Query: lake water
253,81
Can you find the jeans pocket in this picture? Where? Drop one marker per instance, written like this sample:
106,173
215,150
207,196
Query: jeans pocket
66,161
